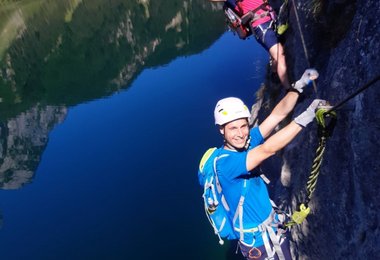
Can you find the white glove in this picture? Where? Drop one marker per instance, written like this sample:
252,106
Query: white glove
309,114
307,77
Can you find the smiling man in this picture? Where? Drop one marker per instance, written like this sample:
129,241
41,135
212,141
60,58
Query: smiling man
243,150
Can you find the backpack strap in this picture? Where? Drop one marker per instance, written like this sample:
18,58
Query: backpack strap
205,157
217,182
239,210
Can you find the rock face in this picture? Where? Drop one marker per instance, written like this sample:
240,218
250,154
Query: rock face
342,40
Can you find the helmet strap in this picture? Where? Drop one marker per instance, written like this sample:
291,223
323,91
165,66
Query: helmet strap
248,142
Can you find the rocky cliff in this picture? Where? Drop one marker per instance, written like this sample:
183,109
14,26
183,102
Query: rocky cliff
341,38
22,141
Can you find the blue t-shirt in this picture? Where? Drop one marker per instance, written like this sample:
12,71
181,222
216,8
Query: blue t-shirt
232,172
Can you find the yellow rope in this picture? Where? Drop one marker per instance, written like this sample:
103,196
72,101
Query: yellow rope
324,131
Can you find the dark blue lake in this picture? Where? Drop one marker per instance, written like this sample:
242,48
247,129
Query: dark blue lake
117,178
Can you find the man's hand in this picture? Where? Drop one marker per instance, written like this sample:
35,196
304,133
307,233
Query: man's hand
307,77
309,114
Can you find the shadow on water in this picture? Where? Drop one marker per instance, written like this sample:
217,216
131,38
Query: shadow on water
57,54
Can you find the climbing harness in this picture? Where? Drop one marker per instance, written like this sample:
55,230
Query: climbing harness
240,23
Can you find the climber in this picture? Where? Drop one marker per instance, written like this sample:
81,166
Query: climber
262,28
244,149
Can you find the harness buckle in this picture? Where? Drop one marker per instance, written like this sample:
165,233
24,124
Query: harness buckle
254,253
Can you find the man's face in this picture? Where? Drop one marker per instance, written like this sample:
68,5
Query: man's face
236,133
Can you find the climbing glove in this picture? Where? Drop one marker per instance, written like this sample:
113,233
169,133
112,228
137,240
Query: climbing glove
308,115
307,77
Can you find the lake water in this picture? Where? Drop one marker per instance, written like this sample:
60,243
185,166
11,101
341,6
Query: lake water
117,178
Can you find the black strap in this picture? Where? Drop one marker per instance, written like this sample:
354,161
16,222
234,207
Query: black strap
294,90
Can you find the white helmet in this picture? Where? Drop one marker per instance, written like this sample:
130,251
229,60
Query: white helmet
230,109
